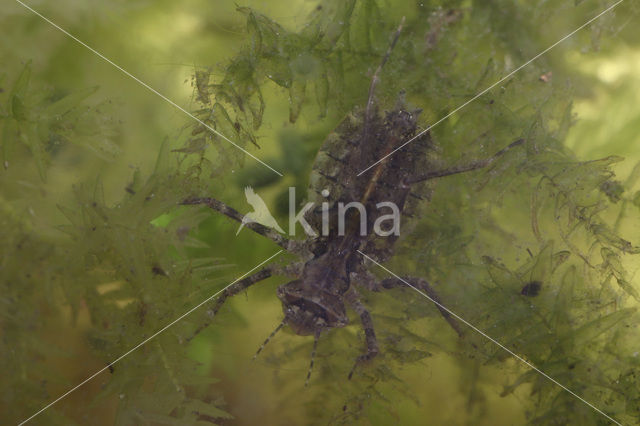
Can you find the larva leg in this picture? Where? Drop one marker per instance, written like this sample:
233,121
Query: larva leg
289,245
474,165
232,290
353,298
424,286
376,74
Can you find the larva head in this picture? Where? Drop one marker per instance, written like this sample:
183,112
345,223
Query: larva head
307,311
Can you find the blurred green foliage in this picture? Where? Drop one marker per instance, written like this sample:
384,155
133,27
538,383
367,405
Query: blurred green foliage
41,122
96,255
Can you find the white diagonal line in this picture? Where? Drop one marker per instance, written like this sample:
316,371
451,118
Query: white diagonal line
88,379
474,328
506,77
142,83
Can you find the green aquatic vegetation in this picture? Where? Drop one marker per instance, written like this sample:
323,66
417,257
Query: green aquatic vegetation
532,250
114,267
522,308
43,122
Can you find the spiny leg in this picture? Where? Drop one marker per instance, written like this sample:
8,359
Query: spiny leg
232,290
232,213
423,285
353,298
474,165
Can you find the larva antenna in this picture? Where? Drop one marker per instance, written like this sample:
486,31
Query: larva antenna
376,74
313,356
273,333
